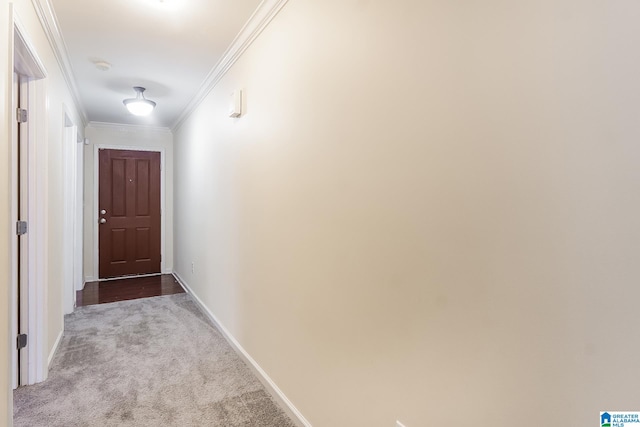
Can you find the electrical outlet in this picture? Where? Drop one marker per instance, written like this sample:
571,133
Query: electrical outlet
193,267
399,424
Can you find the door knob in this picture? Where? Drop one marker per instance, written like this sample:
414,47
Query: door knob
102,220
102,212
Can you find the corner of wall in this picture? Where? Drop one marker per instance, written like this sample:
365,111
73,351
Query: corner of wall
6,76
264,378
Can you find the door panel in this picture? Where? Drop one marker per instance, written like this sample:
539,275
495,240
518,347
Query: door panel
129,187
15,354
25,359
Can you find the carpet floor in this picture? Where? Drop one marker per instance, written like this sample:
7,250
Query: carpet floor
148,362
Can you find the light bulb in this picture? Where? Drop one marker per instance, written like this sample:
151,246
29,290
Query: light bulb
139,106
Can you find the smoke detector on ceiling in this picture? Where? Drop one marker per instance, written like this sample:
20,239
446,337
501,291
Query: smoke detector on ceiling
102,65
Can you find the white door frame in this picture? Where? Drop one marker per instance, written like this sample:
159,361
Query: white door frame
70,226
15,373
96,201
78,254
33,293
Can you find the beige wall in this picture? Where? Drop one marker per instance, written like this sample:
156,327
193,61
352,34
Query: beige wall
6,76
429,211
125,136
59,101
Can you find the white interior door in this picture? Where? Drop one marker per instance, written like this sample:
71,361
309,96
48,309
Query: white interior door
24,240
15,313
20,210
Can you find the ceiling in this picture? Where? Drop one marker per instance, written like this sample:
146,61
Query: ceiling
167,46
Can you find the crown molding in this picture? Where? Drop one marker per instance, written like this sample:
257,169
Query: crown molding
49,23
261,17
120,127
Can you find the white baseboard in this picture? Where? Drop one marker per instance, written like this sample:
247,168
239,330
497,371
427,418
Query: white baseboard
271,387
89,279
54,349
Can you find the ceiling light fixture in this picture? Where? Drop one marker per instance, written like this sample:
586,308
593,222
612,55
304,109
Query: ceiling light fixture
139,106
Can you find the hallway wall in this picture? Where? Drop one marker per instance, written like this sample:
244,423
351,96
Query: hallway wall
429,210
6,78
49,147
59,102
125,136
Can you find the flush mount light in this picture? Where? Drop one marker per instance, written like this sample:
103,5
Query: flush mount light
139,106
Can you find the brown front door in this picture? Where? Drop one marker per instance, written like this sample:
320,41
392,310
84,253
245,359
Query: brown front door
129,212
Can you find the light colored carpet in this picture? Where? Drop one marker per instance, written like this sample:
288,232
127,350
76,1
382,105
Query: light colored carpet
148,362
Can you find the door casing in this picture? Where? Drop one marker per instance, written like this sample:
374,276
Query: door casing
71,227
34,362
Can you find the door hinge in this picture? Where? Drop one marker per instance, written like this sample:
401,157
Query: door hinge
22,341
22,115
21,228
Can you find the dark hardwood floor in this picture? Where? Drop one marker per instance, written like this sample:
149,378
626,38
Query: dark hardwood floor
126,289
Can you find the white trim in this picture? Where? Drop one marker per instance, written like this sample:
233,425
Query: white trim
134,276
72,256
13,266
24,173
15,373
28,63
38,217
78,245
271,386
96,194
128,128
263,15
49,23
54,350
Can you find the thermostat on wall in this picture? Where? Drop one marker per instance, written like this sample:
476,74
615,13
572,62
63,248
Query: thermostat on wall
235,104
